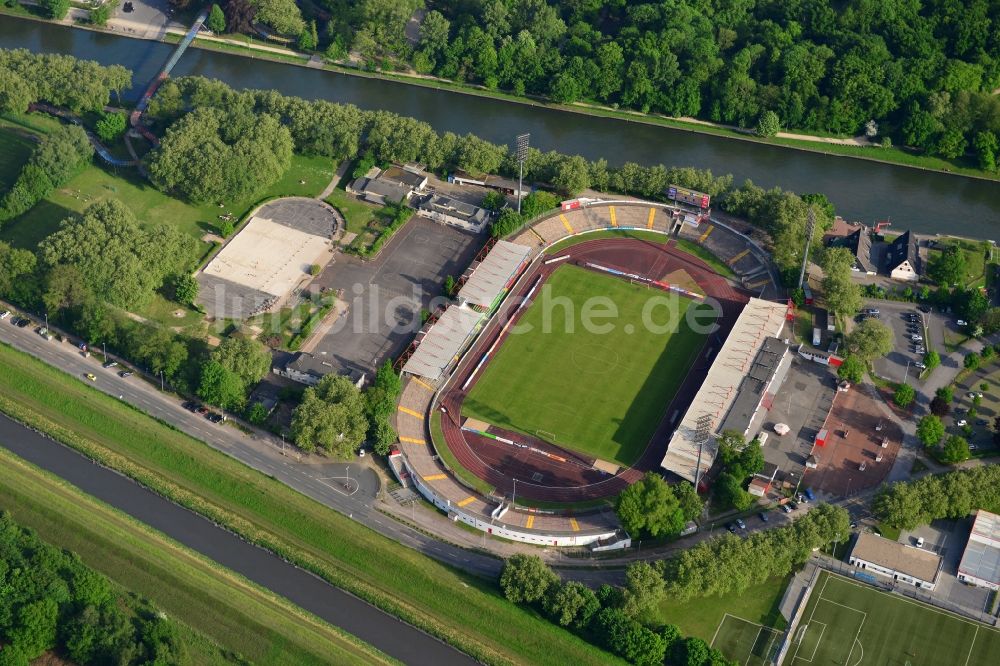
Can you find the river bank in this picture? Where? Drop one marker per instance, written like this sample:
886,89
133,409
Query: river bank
803,141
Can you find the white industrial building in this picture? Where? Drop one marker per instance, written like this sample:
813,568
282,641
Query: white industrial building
895,561
981,560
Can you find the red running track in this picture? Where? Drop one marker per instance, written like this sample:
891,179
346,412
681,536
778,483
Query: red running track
499,464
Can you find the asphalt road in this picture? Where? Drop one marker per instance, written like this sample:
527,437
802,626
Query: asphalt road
344,610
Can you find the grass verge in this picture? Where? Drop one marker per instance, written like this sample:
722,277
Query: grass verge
238,615
461,609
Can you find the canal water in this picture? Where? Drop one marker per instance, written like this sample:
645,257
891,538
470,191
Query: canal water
924,201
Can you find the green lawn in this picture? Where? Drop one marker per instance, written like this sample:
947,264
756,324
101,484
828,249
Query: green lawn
241,617
702,617
975,258
599,392
361,218
15,148
851,623
459,608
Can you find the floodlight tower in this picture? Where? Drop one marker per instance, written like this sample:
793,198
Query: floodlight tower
810,225
522,155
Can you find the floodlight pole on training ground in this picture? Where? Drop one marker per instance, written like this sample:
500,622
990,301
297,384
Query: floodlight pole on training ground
522,154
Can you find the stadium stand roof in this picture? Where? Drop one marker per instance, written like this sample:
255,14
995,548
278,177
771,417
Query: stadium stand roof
981,560
754,384
758,321
438,347
492,275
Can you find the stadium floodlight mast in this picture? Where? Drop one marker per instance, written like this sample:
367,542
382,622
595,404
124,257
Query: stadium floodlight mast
810,225
522,155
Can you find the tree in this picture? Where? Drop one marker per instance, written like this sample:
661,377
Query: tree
869,340
216,21
186,288
526,578
111,126
34,629
331,417
493,200
222,387
649,507
955,450
986,145
282,15
904,395
644,587
449,285
55,9
842,294
948,267
571,604
930,430
571,176
308,39
768,124
972,361
256,413
245,357
729,491
239,16
852,369
628,638
15,92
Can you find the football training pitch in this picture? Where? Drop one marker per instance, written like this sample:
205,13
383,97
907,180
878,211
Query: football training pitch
600,393
852,624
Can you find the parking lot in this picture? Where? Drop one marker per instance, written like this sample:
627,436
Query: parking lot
979,431
947,538
899,363
385,295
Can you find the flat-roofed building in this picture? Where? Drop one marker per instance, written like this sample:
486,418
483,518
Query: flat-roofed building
896,561
981,560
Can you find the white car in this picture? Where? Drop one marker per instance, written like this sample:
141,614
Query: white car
4,314
916,337
970,394
962,423
962,322
920,542
920,365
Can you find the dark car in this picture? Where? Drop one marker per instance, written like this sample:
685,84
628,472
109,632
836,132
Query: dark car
125,373
731,527
763,516
190,405
214,418
923,308
202,409
786,508
23,322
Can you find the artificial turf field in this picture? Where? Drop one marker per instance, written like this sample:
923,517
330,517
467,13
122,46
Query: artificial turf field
601,394
852,624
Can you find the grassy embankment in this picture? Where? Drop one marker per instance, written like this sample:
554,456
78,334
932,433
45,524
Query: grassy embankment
461,609
239,616
701,617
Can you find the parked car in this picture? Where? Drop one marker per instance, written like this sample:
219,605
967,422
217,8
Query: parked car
920,542
786,508
190,405
741,524
763,516
4,314
981,422
731,527
810,495
110,364
924,308
961,423
21,323
215,418
917,337
962,322
125,374
920,365
201,409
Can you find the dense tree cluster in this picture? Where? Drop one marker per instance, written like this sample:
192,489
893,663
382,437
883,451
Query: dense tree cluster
282,15
53,162
729,564
953,495
331,417
618,619
51,600
62,80
654,507
380,404
212,154
117,260
869,340
920,72
740,460
841,293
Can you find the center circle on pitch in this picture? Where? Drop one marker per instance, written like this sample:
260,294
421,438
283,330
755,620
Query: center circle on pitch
594,359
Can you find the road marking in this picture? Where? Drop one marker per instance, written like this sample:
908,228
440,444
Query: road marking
652,214
575,525
407,410
566,223
435,477
531,521
705,235
468,500
732,262
614,220
412,440
427,386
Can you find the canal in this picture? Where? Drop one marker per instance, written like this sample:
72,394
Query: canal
924,201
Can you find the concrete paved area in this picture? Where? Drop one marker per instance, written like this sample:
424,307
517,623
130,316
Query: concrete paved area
802,404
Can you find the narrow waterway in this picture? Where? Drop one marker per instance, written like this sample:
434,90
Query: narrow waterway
387,633
924,201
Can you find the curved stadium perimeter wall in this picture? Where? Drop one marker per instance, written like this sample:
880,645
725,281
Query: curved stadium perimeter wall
417,463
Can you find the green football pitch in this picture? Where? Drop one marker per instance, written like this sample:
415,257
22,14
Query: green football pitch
598,392
852,624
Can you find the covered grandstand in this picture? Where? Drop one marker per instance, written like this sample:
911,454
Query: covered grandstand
489,280
439,346
692,447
